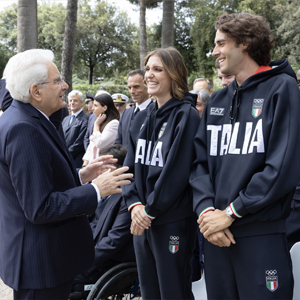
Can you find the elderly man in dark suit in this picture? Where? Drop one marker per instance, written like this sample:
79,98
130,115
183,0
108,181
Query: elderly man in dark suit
75,126
45,236
111,231
138,92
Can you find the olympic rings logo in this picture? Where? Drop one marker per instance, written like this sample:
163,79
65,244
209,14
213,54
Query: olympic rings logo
174,238
271,273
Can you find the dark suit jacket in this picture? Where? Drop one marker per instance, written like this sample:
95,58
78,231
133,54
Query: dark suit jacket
5,97
89,131
124,126
111,231
74,134
45,235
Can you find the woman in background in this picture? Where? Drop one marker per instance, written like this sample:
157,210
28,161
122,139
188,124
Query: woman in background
105,127
160,153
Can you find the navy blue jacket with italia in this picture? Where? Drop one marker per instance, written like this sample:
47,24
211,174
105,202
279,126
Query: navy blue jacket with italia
248,147
45,235
160,154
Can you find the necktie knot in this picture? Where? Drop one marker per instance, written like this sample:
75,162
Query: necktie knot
135,113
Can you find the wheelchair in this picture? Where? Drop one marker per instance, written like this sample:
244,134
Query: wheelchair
119,282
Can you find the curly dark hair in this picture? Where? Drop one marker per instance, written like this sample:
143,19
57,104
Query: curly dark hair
251,30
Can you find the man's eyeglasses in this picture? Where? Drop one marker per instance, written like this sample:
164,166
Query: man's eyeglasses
298,81
56,81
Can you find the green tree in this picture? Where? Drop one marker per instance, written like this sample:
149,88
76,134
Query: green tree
51,28
9,32
104,39
289,31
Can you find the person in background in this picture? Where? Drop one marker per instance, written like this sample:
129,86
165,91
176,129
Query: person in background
105,126
225,79
202,99
120,102
247,165
74,127
89,100
92,119
50,239
202,83
110,225
161,153
138,92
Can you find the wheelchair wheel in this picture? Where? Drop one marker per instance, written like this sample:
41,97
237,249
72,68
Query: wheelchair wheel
120,282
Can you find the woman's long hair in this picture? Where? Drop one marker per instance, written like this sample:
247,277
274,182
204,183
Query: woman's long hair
174,65
111,111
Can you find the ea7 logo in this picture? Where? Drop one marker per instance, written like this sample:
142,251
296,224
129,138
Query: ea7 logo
217,111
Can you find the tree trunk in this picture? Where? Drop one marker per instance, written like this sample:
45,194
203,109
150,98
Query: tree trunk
167,33
143,34
27,25
69,43
91,72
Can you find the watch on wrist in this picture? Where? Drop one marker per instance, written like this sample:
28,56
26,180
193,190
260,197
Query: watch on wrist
229,213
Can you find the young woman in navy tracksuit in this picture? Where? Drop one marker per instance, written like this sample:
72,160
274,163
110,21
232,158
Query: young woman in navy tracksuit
160,199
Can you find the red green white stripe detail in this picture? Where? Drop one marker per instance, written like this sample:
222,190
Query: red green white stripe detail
134,204
272,285
150,217
206,210
234,211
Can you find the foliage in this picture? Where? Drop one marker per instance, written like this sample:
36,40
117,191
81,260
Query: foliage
8,35
93,88
289,31
104,40
149,3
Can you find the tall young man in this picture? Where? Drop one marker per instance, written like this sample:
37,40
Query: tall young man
247,165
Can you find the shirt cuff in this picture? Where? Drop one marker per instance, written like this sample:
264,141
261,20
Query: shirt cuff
97,191
80,177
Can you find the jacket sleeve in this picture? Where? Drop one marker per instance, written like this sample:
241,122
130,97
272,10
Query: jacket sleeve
203,193
129,192
77,147
41,195
174,177
108,135
119,138
117,237
281,172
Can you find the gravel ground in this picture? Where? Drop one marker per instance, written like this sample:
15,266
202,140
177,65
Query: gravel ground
6,292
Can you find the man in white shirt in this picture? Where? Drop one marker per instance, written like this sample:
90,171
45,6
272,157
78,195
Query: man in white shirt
138,92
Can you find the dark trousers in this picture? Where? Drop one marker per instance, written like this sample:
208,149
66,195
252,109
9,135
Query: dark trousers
256,267
60,292
164,254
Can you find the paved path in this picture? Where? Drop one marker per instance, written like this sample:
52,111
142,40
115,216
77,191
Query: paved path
6,292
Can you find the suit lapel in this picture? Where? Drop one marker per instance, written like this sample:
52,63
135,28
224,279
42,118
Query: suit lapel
50,128
103,212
